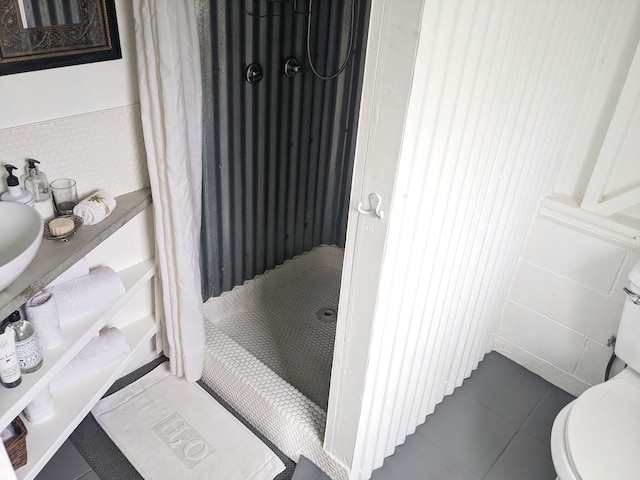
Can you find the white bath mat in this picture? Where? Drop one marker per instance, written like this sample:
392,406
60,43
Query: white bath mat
171,429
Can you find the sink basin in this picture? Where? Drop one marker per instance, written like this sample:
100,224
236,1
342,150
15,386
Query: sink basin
20,236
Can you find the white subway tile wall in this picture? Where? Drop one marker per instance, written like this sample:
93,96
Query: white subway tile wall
564,304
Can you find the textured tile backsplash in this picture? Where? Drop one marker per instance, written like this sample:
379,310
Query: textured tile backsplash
100,150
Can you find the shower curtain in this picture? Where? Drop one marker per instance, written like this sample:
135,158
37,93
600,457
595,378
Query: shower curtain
170,103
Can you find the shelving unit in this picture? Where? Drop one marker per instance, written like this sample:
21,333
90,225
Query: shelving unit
53,257
74,402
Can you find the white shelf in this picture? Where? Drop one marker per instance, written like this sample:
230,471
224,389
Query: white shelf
74,402
75,337
53,257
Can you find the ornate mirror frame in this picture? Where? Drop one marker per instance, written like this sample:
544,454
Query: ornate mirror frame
93,39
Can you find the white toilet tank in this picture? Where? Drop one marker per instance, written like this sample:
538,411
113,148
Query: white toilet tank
628,340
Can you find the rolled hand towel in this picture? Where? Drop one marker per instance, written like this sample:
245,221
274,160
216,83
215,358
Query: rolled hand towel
42,312
41,407
100,351
85,295
78,269
95,208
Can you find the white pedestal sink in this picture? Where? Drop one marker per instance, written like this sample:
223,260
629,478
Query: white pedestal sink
20,237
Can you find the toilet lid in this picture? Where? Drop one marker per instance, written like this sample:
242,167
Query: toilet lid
603,431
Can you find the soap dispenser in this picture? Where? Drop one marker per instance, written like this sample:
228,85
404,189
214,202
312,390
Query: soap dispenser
36,183
15,192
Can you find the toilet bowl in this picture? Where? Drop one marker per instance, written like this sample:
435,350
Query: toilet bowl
597,436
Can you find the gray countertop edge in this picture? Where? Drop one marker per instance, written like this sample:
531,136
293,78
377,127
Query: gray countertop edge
54,257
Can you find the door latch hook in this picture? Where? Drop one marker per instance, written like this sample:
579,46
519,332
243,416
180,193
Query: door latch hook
376,203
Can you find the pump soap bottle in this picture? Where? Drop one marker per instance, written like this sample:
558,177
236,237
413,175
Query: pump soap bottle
15,192
36,183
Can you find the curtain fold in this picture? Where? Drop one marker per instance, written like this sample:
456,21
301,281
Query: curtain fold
170,86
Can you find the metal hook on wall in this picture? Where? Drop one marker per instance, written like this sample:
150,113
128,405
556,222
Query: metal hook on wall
375,201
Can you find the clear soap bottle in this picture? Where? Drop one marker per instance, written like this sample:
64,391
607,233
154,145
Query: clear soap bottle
27,345
36,183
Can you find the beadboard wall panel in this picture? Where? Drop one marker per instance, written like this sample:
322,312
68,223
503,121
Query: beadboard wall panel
496,90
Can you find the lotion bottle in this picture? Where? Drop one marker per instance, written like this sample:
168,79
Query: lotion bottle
10,376
15,193
27,345
36,183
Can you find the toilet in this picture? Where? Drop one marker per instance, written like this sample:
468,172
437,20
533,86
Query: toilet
597,436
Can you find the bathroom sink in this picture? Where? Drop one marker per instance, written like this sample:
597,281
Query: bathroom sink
20,236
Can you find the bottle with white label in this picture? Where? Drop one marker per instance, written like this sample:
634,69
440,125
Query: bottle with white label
37,184
27,345
9,367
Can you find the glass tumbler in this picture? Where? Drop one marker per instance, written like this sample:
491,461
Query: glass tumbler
65,195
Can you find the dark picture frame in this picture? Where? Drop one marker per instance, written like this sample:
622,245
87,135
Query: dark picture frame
91,37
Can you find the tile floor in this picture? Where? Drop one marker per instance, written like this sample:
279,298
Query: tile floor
496,426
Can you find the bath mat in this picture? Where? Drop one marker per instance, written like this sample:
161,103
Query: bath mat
170,429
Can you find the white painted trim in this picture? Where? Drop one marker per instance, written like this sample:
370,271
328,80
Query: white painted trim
394,29
627,111
617,228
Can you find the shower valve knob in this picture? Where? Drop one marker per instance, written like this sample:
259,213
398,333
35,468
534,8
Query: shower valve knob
254,73
291,67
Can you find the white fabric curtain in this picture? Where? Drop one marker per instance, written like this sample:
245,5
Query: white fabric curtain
171,105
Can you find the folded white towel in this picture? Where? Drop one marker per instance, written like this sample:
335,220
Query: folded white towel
42,312
85,295
8,433
41,407
95,208
100,351
78,269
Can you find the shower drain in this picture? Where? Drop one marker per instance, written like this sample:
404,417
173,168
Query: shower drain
327,314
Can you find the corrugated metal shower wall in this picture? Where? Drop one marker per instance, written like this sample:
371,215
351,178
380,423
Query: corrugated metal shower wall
279,153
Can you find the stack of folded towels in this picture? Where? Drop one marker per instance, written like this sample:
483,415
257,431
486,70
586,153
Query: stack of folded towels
75,294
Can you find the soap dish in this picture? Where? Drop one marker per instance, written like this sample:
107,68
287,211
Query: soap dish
77,223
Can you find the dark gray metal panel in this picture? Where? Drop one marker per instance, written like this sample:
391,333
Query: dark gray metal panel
279,153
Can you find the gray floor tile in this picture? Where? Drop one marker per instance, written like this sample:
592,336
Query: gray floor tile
90,476
465,429
66,464
471,435
539,423
524,459
418,458
306,470
505,387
